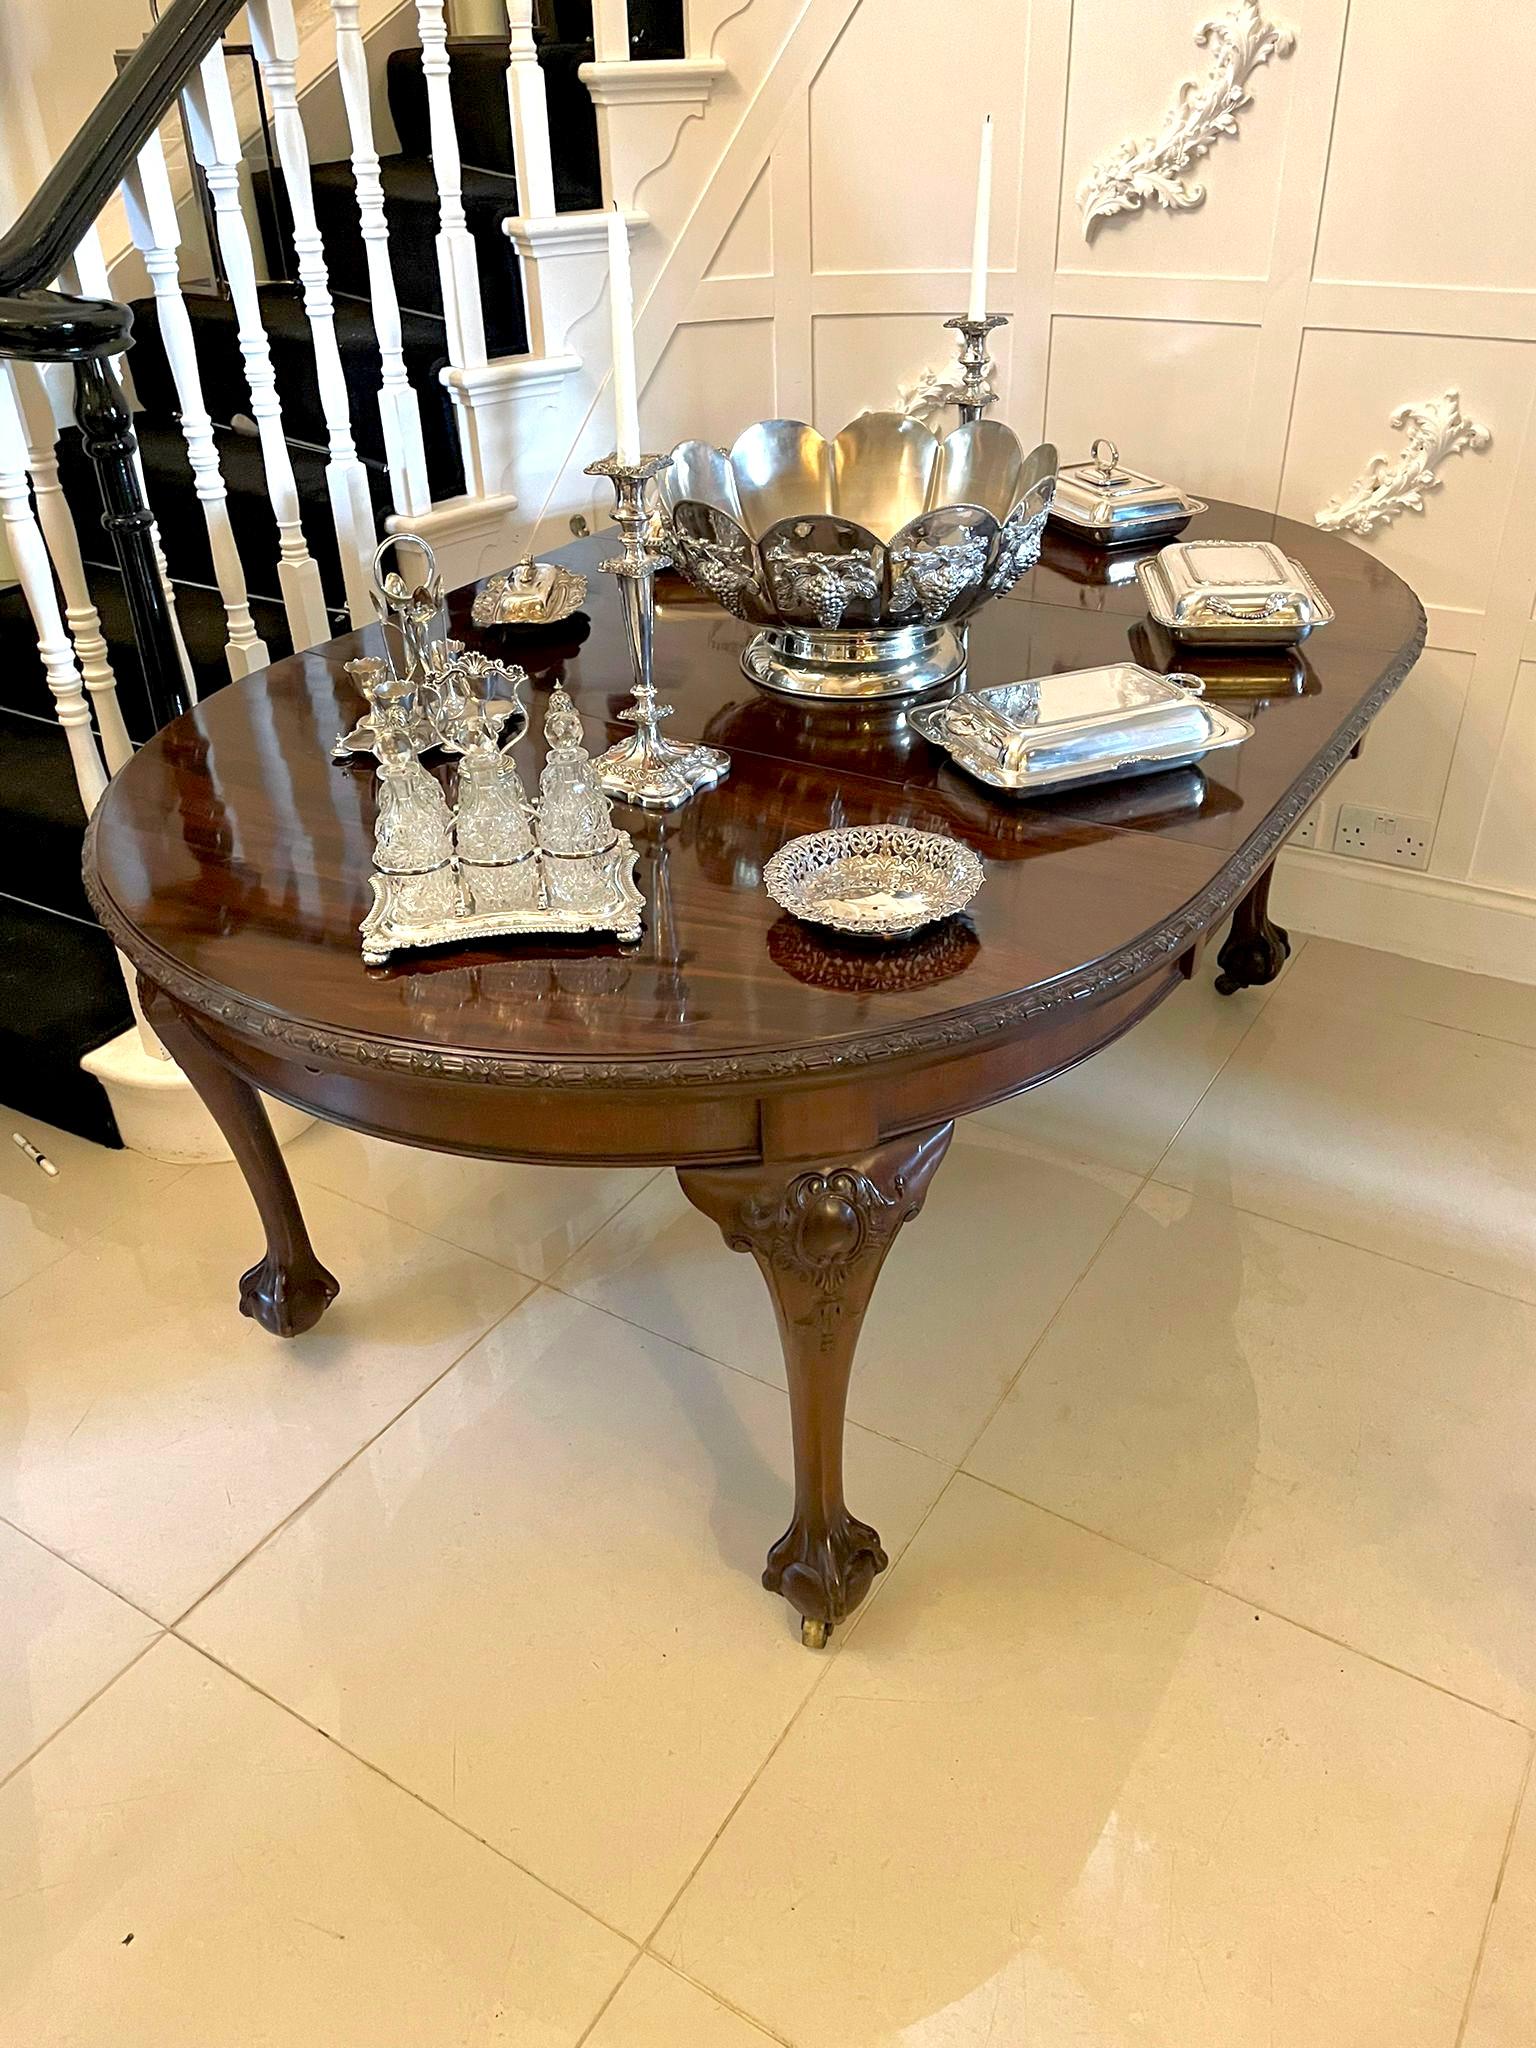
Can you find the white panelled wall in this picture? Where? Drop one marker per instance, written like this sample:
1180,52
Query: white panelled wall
1364,243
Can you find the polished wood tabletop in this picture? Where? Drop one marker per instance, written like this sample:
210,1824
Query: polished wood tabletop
803,1086
233,849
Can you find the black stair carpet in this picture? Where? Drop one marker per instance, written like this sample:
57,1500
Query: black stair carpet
61,992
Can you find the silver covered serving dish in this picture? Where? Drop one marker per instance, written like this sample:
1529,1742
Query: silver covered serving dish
529,594
1085,726
1102,501
876,881
1235,593
860,558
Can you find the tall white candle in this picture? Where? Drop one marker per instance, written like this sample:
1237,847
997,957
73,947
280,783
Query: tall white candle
621,296
982,234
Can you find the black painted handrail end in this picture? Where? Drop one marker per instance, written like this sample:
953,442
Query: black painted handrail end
55,327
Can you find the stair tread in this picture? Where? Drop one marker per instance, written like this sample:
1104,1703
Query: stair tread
61,996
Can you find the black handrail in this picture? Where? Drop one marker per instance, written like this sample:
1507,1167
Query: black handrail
53,223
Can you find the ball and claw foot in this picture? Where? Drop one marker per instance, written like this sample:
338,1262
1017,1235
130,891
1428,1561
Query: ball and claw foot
287,1300
1253,960
825,1576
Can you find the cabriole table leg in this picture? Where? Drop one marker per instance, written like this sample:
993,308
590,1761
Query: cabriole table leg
819,1234
289,1291
1256,948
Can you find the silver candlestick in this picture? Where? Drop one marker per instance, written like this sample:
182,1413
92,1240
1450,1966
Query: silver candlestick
976,386
647,770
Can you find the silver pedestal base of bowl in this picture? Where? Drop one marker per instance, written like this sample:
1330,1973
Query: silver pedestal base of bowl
897,661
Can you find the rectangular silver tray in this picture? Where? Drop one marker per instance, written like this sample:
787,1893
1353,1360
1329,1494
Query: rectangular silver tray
1269,601
1136,750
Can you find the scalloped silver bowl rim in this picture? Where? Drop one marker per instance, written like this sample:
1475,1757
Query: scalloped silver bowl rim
703,456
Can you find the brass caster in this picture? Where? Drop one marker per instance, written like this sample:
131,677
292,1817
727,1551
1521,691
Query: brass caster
814,1634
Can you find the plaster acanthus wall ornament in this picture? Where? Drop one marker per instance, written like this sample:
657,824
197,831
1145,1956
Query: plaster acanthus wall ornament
1393,484
1204,110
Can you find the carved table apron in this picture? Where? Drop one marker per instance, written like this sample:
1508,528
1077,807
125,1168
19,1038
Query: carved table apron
804,1089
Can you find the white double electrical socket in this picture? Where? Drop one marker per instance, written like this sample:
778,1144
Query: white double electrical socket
1388,836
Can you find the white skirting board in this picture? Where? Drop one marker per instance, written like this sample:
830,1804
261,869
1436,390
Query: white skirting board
1452,924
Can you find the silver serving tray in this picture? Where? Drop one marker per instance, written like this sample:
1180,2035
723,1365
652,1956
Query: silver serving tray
1135,752
1113,507
1238,593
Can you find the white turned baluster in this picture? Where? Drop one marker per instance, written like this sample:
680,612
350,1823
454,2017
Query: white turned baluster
57,522
399,408
87,274
216,141
157,236
456,262
29,552
610,31
275,35
529,107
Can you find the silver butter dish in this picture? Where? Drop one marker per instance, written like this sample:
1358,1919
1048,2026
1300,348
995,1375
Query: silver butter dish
1236,593
1102,502
530,594
1090,725
876,881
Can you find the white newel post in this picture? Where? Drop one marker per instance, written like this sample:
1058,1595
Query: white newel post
216,141
399,407
34,571
58,528
275,34
156,234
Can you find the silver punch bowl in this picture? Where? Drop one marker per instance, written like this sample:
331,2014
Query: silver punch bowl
859,558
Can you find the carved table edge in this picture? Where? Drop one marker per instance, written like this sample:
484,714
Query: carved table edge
338,1046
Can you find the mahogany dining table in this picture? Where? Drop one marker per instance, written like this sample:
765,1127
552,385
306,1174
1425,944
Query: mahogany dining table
804,1088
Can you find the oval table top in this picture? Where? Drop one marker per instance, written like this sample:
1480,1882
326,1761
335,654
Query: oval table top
230,858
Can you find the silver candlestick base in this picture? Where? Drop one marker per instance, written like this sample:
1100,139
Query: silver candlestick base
655,773
977,388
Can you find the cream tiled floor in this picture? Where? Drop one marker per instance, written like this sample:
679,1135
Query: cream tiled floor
411,1685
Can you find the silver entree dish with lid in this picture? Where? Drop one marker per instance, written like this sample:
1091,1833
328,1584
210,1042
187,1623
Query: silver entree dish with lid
1111,506
1234,593
1084,726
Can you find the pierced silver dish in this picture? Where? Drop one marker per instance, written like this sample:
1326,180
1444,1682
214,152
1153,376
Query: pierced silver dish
530,594
875,881
859,558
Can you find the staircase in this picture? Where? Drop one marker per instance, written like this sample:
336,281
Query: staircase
61,991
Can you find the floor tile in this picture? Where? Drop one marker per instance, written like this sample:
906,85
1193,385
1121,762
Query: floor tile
536,1601
1315,1427
1401,1136
1051,1792
528,1217
43,1216
154,1434
1503,2009
655,2008
1126,1105
965,1292
1331,973
61,1638
188,1867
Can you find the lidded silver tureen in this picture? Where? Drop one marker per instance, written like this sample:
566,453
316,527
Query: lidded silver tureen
860,557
